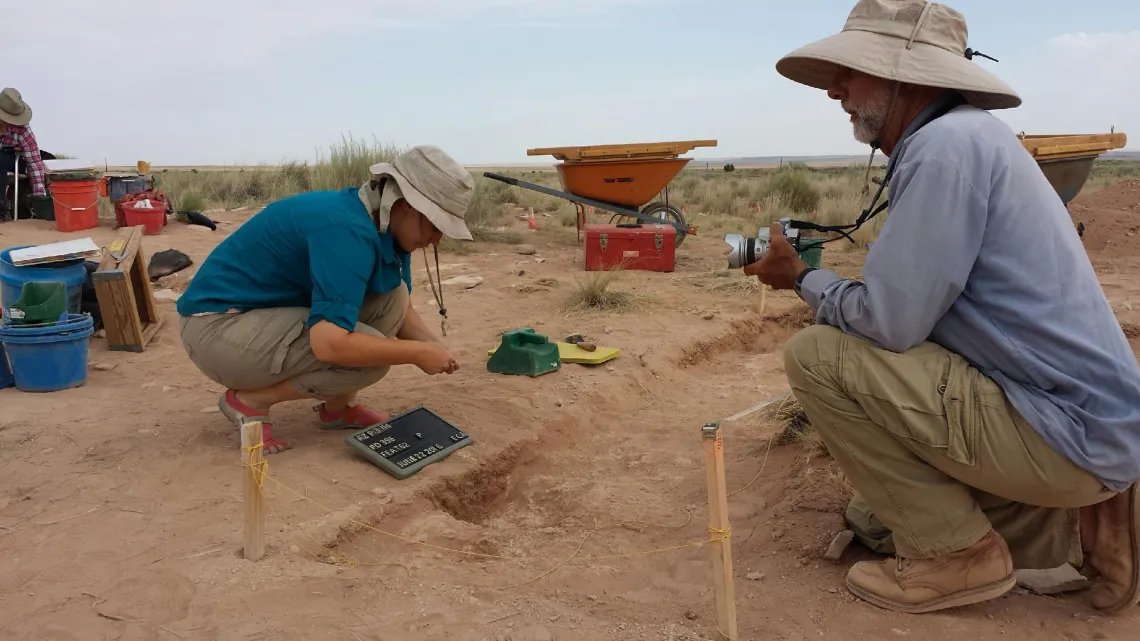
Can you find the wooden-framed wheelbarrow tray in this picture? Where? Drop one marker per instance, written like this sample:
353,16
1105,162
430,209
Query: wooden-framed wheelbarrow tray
621,179
1067,159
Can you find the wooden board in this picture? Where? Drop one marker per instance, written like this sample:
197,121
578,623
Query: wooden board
602,153
1048,147
126,303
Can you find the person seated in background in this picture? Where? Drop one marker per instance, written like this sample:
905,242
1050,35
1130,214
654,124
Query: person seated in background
310,297
975,387
18,142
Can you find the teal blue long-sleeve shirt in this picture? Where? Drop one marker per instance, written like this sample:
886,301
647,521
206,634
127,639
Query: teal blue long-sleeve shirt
979,255
318,250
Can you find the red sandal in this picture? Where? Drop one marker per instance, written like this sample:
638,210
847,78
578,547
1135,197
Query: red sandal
240,414
352,417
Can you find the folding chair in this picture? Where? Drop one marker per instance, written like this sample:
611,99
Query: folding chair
16,188
15,175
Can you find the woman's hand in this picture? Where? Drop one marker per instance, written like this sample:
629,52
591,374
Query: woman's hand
434,358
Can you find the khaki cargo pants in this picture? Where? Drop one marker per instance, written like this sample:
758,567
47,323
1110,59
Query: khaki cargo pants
936,452
263,347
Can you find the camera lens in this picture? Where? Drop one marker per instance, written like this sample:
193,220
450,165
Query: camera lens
736,242
750,251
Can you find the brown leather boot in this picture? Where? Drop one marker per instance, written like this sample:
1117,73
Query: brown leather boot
980,572
1110,536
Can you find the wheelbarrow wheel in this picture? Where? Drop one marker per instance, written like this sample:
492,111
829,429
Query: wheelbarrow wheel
663,211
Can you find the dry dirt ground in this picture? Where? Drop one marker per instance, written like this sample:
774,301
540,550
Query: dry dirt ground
120,509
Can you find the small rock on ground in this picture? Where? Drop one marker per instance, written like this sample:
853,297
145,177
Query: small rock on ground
167,295
532,633
466,282
526,250
1054,581
839,545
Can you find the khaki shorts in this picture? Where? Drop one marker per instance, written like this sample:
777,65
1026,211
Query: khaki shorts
263,347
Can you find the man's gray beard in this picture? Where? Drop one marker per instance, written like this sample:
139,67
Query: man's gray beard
870,119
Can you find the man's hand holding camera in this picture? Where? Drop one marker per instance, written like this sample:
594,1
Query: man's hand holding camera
781,264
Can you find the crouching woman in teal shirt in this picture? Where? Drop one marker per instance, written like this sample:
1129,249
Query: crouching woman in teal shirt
309,298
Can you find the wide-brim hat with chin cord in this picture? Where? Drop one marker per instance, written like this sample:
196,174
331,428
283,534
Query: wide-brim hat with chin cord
13,109
911,41
435,185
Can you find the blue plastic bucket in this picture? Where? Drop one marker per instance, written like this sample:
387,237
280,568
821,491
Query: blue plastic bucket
51,356
12,279
119,186
6,379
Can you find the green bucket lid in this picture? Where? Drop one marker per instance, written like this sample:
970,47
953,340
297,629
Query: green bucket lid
40,301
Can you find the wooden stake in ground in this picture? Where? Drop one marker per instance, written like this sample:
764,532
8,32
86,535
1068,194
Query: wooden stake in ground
253,477
763,297
719,530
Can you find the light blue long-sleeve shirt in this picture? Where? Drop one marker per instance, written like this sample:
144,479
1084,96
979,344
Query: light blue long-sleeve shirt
979,255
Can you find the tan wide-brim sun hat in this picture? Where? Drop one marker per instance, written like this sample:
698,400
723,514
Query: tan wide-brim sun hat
13,109
911,41
435,185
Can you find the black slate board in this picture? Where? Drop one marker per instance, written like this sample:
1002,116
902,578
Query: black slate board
409,442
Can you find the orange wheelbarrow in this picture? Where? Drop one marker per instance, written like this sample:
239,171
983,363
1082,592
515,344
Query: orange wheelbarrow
621,179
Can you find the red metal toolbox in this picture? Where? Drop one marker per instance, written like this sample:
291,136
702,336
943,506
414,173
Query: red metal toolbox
633,245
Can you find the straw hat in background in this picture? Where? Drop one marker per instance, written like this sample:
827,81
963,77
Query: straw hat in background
13,109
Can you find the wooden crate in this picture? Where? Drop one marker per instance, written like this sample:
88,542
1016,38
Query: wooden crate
126,303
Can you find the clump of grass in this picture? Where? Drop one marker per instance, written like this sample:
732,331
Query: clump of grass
487,204
796,427
190,200
796,190
594,294
345,164
348,164
797,430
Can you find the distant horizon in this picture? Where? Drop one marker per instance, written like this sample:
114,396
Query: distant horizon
743,161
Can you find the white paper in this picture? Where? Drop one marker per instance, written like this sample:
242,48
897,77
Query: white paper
55,252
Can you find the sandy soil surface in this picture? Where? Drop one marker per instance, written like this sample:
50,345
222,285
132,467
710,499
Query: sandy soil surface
1111,219
120,513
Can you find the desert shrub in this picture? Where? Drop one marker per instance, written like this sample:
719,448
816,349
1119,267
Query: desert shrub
795,189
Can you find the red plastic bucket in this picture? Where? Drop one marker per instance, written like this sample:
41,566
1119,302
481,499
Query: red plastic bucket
152,220
76,204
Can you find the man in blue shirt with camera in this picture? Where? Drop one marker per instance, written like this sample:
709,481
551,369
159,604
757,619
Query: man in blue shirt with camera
975,386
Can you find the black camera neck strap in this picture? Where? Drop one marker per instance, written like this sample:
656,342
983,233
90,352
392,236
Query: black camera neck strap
935,110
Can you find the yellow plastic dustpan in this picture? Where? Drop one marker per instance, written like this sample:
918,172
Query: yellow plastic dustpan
569,353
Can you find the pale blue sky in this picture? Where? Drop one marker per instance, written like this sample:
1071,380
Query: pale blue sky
249,81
